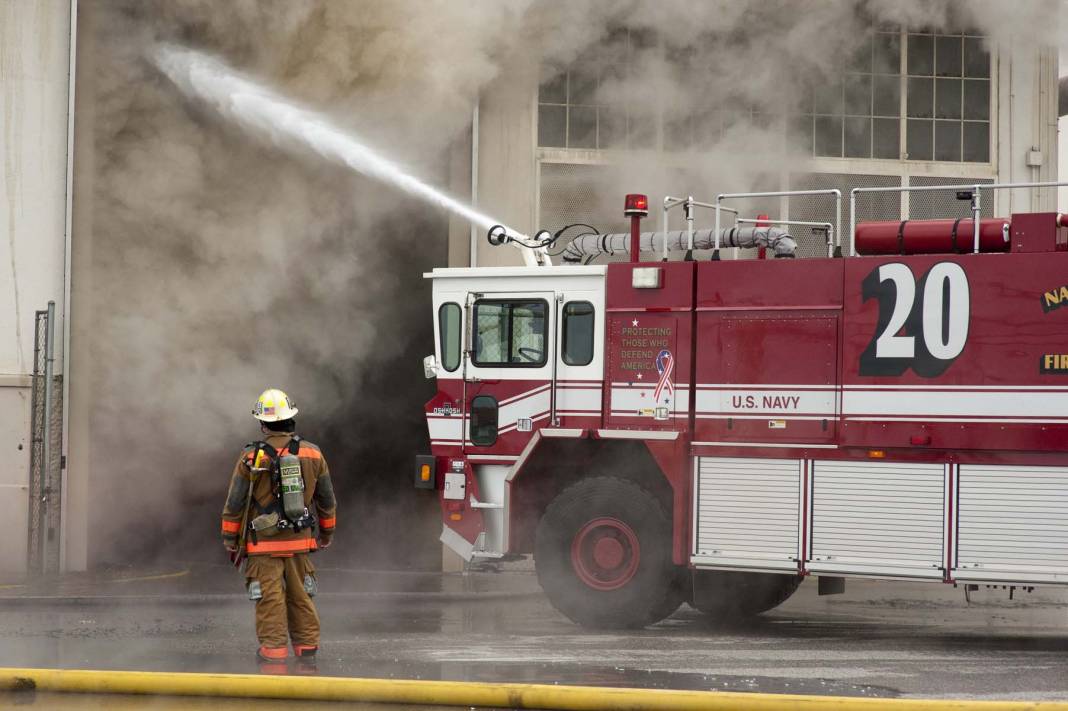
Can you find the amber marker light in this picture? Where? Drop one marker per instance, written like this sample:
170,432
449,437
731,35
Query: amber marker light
876,454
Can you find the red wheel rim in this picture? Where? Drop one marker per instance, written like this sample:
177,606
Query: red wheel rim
605,553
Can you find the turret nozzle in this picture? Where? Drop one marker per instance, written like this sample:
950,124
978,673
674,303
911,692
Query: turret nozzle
498,235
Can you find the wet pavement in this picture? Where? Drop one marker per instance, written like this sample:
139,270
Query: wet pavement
881,639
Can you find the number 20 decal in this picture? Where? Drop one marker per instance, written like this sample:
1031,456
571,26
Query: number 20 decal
922,325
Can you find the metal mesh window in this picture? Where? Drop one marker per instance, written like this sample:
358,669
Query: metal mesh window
510,333
577,193
821,208
943,204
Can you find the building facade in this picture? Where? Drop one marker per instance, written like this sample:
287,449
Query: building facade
35,83
911,108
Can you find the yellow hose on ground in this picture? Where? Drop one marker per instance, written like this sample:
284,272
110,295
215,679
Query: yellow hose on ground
462,693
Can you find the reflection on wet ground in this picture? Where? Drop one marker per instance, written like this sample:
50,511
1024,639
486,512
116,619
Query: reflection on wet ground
879,639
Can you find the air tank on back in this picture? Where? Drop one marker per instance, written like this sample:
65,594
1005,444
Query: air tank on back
931,236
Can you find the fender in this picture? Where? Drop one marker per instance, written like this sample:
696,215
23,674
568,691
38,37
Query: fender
668,450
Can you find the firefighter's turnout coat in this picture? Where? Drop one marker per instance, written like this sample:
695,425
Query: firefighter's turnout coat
317,489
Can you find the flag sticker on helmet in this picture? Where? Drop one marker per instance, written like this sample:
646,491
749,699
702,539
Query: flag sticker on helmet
274,405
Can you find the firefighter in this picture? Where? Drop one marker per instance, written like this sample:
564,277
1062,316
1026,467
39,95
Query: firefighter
281,487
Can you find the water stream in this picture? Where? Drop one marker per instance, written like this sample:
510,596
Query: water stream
262,111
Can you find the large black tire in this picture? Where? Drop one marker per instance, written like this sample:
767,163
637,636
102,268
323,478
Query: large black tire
728,595
603,555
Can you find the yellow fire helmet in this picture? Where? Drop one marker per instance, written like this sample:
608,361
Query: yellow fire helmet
274,405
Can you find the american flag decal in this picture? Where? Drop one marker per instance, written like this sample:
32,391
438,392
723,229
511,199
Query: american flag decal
665,364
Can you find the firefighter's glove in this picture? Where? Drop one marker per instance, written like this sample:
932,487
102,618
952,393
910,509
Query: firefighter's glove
325,541
231,546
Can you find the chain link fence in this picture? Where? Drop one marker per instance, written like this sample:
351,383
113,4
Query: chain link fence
46,435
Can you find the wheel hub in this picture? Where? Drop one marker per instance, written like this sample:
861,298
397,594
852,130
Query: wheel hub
605,553
608,553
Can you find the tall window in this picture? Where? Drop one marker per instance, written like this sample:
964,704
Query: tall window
932,88
574,111
577,347
449,326
857,114
948,98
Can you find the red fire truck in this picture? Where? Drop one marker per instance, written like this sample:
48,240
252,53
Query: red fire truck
715,430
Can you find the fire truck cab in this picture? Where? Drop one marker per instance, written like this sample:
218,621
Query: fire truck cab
714,431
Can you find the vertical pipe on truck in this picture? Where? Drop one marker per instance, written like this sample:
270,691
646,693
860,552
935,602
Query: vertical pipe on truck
51,491
474,182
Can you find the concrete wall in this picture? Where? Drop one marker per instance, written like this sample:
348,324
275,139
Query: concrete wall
34,74
507,172
1027,123
1062,142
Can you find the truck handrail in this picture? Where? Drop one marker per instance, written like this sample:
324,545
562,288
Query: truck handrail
826,226
973,188
783,193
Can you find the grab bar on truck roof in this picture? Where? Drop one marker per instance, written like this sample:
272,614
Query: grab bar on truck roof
783,193
974,189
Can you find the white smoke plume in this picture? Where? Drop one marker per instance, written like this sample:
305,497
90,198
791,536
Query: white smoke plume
221,265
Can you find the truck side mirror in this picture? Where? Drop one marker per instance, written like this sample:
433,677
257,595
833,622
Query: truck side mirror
430,367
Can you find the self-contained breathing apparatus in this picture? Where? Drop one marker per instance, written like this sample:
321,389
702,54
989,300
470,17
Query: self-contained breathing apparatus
287,510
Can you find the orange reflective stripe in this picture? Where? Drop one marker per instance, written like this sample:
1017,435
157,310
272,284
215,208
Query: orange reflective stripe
230,526
306,452
300,545
327,522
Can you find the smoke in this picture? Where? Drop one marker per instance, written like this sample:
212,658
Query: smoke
221,265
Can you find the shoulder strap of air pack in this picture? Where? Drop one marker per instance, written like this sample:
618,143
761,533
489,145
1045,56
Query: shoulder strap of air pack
252,448
269,450
294,446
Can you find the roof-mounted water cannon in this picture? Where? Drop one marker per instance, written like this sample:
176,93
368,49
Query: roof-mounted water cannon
534,248
635,207
498,235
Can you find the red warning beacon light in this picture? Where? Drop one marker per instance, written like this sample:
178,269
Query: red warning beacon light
635,207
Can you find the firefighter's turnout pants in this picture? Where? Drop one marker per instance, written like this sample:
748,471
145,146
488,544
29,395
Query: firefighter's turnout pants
286,611
280,563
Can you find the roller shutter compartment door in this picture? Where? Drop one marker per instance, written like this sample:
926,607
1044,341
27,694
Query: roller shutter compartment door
884,519
746,513
1013,524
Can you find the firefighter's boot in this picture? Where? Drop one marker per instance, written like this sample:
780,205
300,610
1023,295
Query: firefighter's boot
307,659
272,660
305,654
